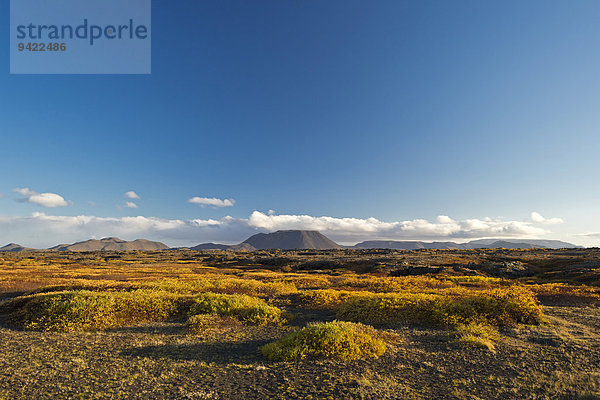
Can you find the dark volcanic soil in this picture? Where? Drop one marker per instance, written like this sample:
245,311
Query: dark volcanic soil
558,360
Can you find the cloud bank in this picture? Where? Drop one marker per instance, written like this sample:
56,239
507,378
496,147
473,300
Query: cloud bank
41,199
211,201
41,230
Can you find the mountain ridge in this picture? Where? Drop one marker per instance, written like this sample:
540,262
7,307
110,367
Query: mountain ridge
111,244
298,239
474,244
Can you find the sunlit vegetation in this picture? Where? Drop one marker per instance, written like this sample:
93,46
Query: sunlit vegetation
498,307
247,309
330,340
210,314
476,334
85,310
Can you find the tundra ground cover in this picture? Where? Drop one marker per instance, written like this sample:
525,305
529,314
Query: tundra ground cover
209,314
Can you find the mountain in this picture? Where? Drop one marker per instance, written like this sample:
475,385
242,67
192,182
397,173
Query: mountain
292,239
217,246
111,243
408,245
474,244
241,247
15,248
210,246
508,245
541,243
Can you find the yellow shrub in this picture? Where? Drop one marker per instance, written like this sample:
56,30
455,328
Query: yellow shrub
386,285
245,308
327,298
497,307
85,310
477,335
211,324
472,279
329,340
226,285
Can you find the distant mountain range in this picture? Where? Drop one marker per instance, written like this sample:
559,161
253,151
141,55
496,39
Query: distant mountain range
474,244
298,239
111,243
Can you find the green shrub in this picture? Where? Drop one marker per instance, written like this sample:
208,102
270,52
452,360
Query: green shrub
329,340
245,308
83,310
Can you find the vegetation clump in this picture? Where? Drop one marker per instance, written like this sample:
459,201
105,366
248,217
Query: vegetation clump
207,324
497,307
327,299
225,285
83,310
247,309
336,340
477,335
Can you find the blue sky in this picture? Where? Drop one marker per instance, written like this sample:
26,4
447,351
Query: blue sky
337,111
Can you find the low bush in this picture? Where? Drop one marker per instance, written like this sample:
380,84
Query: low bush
497,307
328,299
330,340
83,310
477,335
207,324
226,285
247,309
210,283
386,285
472,279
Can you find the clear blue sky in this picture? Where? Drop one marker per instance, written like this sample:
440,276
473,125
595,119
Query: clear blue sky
396,110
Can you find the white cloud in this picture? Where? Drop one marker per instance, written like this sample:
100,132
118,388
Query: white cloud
445,227
538,218
132,195
130,204
213,202
589,235
24,191
41,199
41,230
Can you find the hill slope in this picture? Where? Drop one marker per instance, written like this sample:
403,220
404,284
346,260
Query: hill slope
291,239
15,248
408,245
111,243
474,244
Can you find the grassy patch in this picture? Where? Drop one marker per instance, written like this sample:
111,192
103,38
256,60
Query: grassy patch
84,310
477,335
247,309
329,340
211,324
